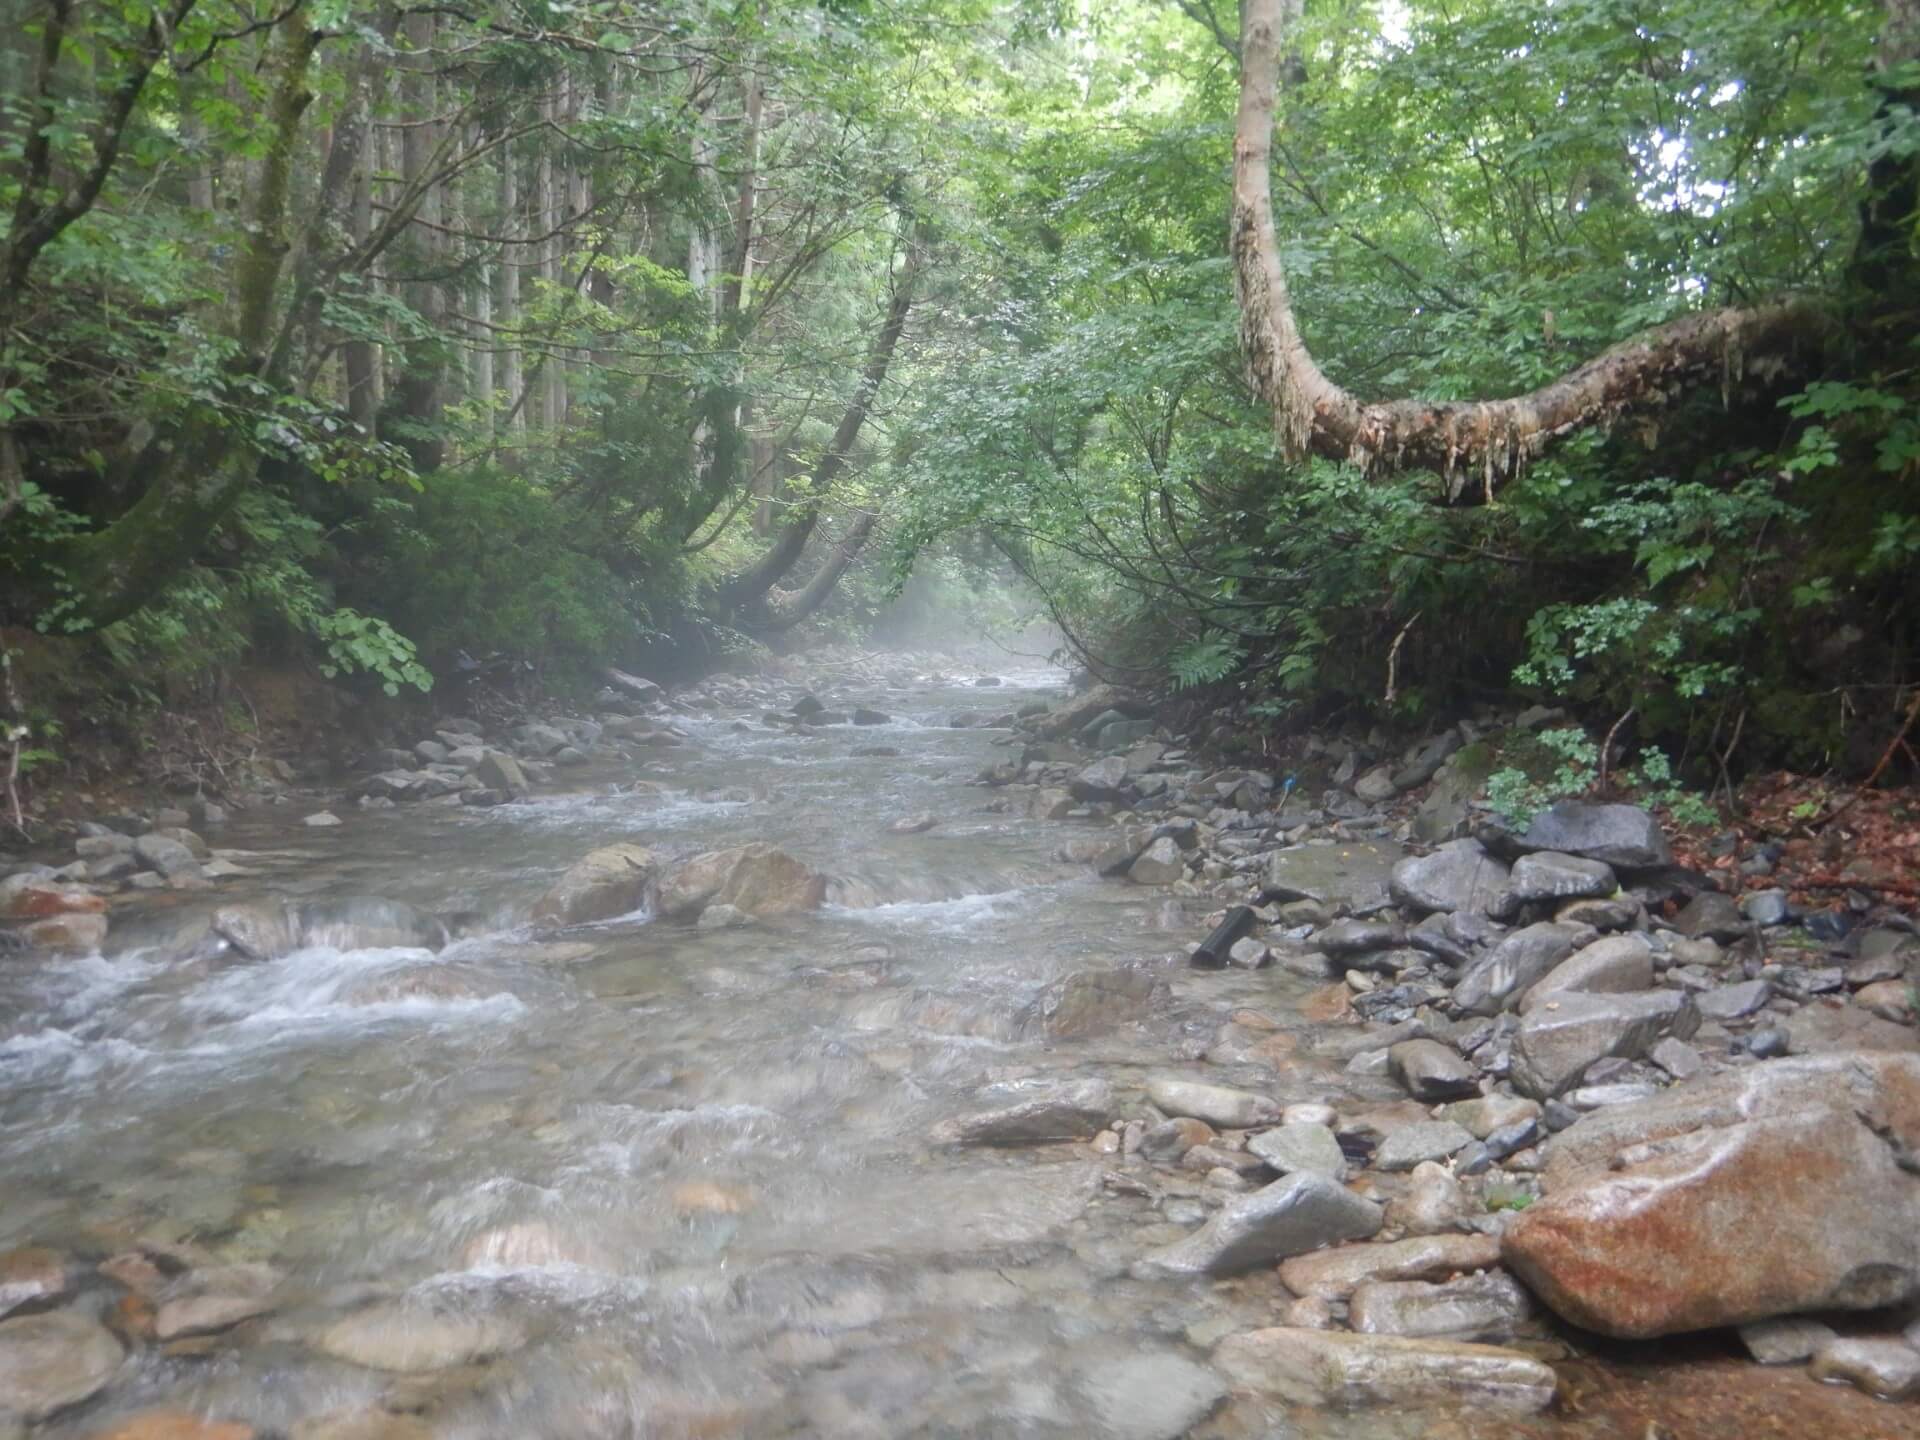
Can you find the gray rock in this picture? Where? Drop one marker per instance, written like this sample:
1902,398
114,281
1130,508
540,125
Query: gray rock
51,1361
1889,1369
1430,1071
1459,875
1043,1114
1567,1033
1218,1105
1331,1369
1734,1002
500,771
168,856
1488,1307
1293,1148
1336,1274
1549,875
1376,786
1677,1058
1766,907
1498,979
1152,1395
1298,1213
1105,779
1093,1002
1711,916
1358,937
540,741
1161,863
1615,965
1624,836
1790,1340
431,751
1412,1145
864,716
1489,1113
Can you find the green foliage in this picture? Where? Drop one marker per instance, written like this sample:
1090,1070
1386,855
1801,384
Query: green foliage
1566,767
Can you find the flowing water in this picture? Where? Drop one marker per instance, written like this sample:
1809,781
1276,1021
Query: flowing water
653,1180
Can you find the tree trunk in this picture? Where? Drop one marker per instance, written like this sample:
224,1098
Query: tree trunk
748,587
1474,445
507,310
361,358
784,611
421,386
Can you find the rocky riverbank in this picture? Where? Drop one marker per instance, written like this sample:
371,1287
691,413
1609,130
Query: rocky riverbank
1416,1134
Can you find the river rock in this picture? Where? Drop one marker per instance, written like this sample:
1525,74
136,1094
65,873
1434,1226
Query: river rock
498,770
1549,875
1412,1145
1376,786
613,880
758,879
1331,1369
174,1425
1430,1071
1292,1148
1487,1307
1434,1202
1889,1369
31,1275
1298,1213
1614,965
362,1425
1623,836
1788,1341
1161,863
1497,980
1349,937
1045,1113
1155,1395
1711,916
260,931
1102,780
1734,1002
1567,1032
1773,1190
40,897
1218,1105
368,922
51,1361
540,741
1459,875
411,1340
1336,1274
207,1314
1092,1002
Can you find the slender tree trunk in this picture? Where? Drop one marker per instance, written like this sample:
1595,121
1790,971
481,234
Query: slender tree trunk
361,358
1474,445
787,610
507,311
422,382
545,413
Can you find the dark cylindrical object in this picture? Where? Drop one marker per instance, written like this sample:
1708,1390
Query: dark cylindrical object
1212,953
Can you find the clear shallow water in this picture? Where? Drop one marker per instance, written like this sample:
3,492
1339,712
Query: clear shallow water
688,1171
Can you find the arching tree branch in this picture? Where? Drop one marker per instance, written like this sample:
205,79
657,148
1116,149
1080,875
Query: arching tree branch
1474,445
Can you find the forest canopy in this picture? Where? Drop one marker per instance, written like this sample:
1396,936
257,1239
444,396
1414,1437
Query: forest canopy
379,338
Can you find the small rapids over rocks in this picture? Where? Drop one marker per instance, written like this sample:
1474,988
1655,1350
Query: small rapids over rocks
785,1080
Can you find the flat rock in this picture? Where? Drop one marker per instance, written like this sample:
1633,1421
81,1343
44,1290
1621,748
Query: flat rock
1734,1002
1218,1105
1412,1145
1488,1307
1161,863
1711,916
1295,1214
206,1314
613,880
1336,1274
1292,1148
1459,875
174,1425
1155,1395
412,1340
1331,1369
758,879
1071,1111
1777,1189
1483,1116
51,1361
31,1275
1549,875
1623,836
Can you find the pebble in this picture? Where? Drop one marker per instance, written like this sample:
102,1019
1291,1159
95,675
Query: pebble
1889,1369
1412,1145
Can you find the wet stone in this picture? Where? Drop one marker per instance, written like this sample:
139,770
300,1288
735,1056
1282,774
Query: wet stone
1218,1105
1548,875
174,1425
1734,1002
1889,1369
1459,875
31,1275
1411,1145
1157,1395
410,1340
1293,1215
51,1361
1488,1307
1073,1111
1430,1071
1330,1369
1291,1148
1788,1341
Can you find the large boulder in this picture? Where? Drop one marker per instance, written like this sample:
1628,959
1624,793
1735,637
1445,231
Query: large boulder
757,879
1548,875
1076,712
1459,875
1617,965
1331,1369
613,880
1624,836
1301,1212
1775,1190
39,897
500,771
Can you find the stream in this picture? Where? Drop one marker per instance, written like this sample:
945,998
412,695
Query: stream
639,1179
